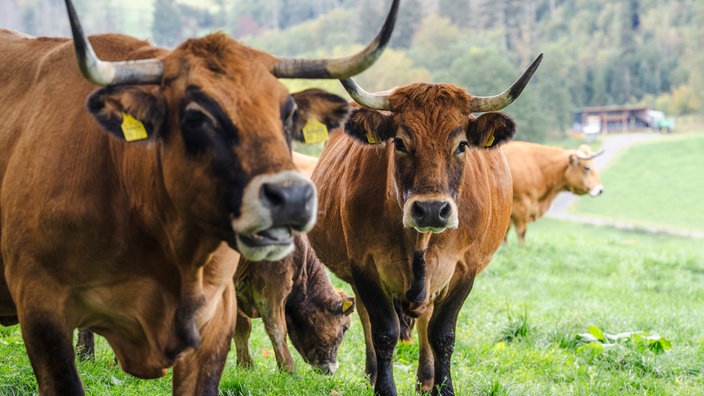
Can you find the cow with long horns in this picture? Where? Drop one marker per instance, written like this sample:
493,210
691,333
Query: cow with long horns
541,172
120,205
414,200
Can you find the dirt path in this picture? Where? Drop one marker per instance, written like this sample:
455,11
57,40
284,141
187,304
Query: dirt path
613,145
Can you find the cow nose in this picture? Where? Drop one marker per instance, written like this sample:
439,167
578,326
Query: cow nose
431,213
290,203
596,191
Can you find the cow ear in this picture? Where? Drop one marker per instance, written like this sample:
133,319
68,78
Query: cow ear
574,160
318,112
490,130
346,306
370,126
128,112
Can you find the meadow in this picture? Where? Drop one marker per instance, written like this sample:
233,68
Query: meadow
579,310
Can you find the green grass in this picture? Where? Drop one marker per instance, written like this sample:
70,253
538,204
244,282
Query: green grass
654,183
517,333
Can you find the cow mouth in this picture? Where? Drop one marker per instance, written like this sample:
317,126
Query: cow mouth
282,236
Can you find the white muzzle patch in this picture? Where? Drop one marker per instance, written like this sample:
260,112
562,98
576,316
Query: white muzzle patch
257,236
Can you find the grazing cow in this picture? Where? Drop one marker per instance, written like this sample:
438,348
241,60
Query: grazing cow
413,203
541,172
134,239
294,296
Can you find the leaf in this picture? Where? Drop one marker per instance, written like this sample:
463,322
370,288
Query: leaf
597,333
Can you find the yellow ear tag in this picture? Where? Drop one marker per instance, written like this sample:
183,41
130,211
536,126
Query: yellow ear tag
490,141
132,128
346,304
373,139
315,132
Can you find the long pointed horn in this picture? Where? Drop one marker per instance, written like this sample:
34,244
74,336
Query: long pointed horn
480,104
581,155
340,67
364,98
148,71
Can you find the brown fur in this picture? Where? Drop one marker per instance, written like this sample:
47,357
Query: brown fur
540,173
125,238
293,296
360,233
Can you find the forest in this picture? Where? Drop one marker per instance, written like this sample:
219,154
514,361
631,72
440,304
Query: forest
597,52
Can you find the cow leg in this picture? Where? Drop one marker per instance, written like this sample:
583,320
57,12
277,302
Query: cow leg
49,343
441,332
274,317
85,345
243,329
384,329
370,363
425,376
521,228
198,372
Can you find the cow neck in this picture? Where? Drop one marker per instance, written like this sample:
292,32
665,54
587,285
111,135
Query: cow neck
141,186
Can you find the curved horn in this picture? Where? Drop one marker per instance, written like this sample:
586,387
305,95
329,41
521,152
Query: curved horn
364,98
480,104
148,71
581,155
340,67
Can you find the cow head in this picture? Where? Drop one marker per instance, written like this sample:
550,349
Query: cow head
316,326
222,125
581,176
431,129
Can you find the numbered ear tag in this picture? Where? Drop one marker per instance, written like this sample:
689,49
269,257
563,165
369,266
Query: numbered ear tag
490,141
373,139
346,305
315,132
132,128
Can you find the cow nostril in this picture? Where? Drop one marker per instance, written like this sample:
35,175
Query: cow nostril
273,195
417,210
445,211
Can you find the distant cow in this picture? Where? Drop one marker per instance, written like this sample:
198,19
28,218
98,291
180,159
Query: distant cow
413,203
120,205
540,173
294,296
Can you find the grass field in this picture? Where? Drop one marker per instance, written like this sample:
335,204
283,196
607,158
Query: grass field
524,329
517,333
654,183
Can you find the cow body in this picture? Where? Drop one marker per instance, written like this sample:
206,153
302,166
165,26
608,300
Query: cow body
293,296
413,201
540,173
134,239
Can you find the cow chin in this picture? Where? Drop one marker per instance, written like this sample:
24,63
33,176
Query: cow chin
262,252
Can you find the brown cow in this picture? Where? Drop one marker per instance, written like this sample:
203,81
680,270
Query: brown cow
293,296
413,204
134,240
540,172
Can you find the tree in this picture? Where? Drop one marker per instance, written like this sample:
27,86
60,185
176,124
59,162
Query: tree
166,28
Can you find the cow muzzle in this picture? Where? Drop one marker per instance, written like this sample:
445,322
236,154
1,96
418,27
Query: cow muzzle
273,208
430,214
596,191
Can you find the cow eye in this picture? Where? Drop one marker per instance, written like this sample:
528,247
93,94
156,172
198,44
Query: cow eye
587,169
400,146
462,147
193,118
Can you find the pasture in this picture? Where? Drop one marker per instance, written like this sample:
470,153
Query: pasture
527,325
